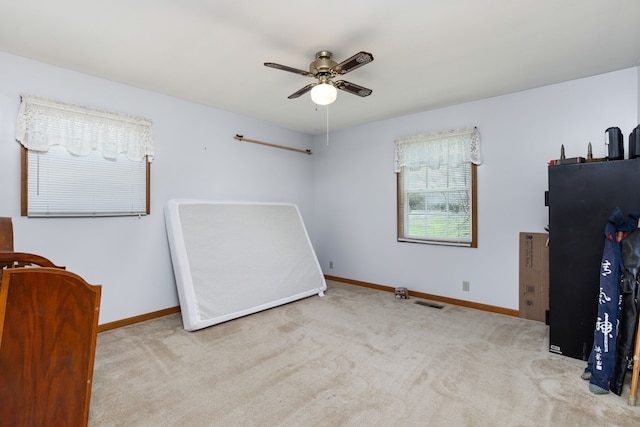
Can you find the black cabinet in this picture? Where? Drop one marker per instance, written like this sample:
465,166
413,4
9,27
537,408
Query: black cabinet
581,197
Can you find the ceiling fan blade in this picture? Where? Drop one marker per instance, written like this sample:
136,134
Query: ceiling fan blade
302,91
350,64
290,69
352,88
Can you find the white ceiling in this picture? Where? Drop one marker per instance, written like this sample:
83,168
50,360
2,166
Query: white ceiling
428,53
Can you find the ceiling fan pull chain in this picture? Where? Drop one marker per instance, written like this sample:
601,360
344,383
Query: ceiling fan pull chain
327,125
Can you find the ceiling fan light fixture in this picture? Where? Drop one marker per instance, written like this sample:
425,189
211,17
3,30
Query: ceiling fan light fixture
324,94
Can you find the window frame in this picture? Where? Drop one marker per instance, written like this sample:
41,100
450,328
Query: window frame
24,191
401,215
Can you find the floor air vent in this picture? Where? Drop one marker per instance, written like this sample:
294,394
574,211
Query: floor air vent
429,304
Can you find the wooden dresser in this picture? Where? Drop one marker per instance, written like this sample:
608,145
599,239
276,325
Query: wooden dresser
48,332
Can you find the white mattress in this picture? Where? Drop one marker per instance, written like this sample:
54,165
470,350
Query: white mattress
234,259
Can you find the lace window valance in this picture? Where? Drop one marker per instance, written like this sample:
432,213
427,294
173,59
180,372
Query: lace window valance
432,149
42,123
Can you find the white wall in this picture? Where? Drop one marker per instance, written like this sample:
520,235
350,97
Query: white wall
196,157
355,193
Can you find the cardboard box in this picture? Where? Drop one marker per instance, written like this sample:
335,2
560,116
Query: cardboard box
534,276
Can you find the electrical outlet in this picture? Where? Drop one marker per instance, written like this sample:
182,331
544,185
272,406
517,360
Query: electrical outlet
331,264
465,285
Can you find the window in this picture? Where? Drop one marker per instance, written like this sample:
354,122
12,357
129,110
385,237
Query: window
60,184
79,161
436,177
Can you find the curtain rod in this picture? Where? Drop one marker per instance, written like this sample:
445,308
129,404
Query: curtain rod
242,138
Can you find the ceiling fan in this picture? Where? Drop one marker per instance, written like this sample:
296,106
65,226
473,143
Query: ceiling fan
324,68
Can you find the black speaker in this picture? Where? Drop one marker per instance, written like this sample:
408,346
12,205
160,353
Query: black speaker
634,143
613,140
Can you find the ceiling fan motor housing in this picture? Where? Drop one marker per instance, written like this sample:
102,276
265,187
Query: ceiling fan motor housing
323,64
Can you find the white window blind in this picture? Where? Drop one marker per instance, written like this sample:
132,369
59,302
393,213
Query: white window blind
82,161
61,184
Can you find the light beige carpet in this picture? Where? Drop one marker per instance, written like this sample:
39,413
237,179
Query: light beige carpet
356,357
